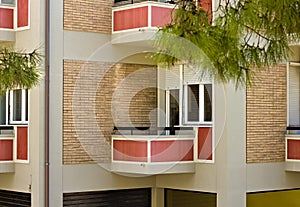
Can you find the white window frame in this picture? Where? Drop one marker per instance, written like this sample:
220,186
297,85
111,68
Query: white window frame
201,104
23,107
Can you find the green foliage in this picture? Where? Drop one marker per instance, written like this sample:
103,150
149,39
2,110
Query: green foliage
18,69
243,37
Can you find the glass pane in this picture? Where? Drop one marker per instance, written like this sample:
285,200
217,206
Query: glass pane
174,107
10,2
2,109
208,102
294,96
193,103
17,105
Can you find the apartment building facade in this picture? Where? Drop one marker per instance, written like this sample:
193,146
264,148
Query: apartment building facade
120,130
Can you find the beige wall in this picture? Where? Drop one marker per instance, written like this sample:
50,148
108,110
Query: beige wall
266,116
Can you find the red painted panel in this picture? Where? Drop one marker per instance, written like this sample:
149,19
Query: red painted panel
172,151
206,5
205,143
23,19
6,150
161,16
22,143
293,149
130,18
6,18
129,150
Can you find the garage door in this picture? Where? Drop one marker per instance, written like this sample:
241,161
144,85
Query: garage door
114,198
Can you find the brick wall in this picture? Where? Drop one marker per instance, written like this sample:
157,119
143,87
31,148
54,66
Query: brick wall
88,16
266,116
79,127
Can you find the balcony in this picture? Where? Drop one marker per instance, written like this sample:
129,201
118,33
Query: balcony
171,150
292,148
13,147
137,23
14,16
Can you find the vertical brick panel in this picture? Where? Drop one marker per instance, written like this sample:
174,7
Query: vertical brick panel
266,116
88,16
140,107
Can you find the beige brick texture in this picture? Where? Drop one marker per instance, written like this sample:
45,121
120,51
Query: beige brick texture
82,133
266,116
88,16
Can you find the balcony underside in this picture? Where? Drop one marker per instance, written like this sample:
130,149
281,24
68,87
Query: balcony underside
7,36
136,168
8,167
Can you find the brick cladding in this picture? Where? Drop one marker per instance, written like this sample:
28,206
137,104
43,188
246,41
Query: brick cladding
88,16
266,116
80,131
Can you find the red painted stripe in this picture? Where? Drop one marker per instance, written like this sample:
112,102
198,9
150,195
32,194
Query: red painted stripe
293,149
205,143
129,150
161,16
130,18
172,151
23,19
6,18
6,150
22,143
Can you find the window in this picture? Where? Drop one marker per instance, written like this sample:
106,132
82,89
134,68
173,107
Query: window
8,2
18,106
174,107
294,95
14,107
198,103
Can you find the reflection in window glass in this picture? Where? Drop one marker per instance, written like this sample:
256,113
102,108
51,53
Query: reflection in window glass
207,102
193,103
17,105
174,107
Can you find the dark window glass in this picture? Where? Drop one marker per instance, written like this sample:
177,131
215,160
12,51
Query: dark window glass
174,107
207,102
193,102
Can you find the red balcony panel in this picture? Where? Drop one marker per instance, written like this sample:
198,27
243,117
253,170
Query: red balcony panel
205,143
206,5
23,20
161,16
22,143
6,18
6,150
131,18
129,150
293,149
172,150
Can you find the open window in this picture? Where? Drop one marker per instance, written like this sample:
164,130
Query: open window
14,107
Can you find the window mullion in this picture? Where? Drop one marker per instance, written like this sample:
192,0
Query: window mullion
201,103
